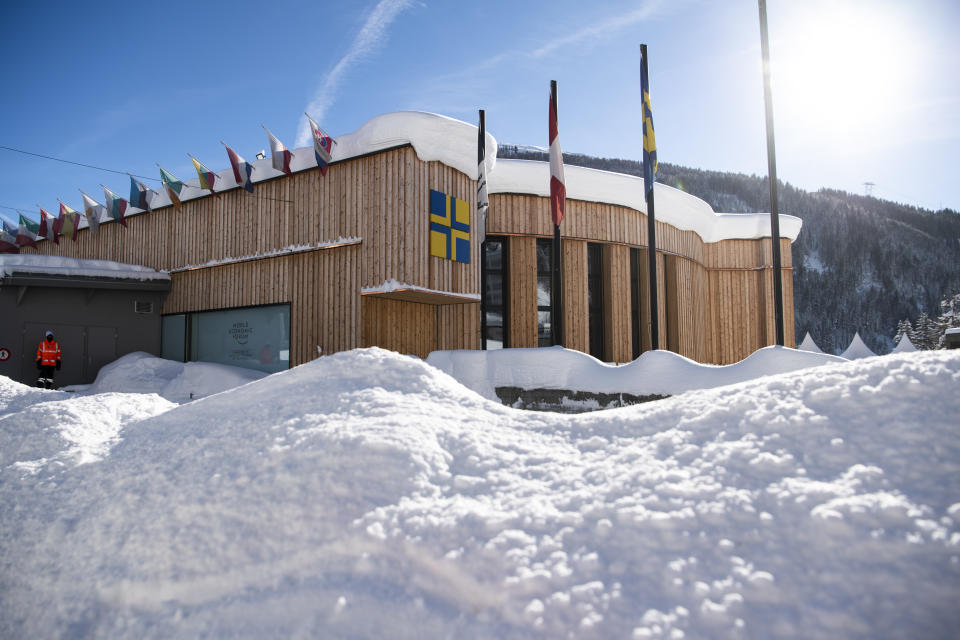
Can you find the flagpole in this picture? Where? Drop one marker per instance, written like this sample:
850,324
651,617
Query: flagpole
772,164
556,285
651,226
481,157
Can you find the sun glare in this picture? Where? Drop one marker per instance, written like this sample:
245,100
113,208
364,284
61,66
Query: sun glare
836,75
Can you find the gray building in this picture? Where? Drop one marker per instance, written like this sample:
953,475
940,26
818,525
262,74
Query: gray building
97,310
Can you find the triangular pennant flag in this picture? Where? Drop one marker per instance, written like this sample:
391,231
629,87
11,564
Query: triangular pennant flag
322,145
140,195
116,206
69,221
48,226
92,210
27,232
279,155
207,177
242,170
8,238
172,185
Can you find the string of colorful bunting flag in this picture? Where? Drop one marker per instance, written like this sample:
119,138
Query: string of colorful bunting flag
26,234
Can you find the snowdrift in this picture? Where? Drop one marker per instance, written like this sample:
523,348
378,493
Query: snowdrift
140,372
368,494
654,372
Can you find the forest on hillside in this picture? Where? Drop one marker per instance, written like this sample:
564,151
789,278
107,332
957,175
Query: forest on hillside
860,263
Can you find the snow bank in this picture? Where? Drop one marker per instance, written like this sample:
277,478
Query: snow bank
368,494
654,372
50,431
140,372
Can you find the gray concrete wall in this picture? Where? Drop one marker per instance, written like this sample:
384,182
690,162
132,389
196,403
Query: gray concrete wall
92,326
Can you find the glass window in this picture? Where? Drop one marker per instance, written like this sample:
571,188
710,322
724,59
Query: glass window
251,337
595,298
635,300
544,298
173,337
495,283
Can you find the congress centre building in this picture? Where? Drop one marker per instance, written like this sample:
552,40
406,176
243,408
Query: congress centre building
385,250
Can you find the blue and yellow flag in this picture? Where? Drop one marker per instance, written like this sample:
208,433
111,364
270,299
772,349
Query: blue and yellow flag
449,227
649,141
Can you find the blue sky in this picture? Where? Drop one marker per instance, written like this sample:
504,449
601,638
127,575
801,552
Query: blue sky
864,90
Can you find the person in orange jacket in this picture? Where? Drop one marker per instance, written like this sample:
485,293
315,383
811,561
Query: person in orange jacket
48,360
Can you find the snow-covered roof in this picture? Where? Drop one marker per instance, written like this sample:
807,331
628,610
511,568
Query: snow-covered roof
904,346
809,345
857,349
674,207
454,143
20,264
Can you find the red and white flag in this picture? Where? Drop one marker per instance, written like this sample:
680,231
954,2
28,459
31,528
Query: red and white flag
558,190
279,155
48,226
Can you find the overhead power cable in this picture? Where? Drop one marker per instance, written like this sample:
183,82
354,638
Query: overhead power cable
79,164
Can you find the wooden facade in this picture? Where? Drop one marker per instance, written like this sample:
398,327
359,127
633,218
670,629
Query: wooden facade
349,253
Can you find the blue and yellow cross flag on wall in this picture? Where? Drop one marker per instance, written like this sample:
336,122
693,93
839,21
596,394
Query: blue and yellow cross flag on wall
449,227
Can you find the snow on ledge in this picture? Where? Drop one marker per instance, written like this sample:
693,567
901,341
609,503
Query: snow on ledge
76,267
394,286
285,251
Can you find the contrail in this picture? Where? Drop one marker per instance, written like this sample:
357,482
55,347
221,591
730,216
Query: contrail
368,39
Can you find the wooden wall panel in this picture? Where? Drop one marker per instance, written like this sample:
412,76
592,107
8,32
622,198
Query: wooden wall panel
405,327
458,326
576,329
523,292
617,330
321,287
688,307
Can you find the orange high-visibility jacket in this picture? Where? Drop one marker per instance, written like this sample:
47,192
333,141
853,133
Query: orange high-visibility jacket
48,353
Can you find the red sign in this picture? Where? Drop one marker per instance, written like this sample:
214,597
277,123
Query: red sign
4,354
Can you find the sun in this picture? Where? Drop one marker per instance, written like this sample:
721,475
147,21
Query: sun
838,71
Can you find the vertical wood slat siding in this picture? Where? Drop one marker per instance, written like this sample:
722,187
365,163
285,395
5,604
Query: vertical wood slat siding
383,198
617,330
523,292
321,287
418,328
458,326
576,328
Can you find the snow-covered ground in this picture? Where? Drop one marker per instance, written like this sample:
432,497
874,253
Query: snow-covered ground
370,495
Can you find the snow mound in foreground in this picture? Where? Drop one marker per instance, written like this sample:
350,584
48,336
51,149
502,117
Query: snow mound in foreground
140,372
367,494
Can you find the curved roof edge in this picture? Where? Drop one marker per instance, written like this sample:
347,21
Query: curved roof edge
454,143
674,207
